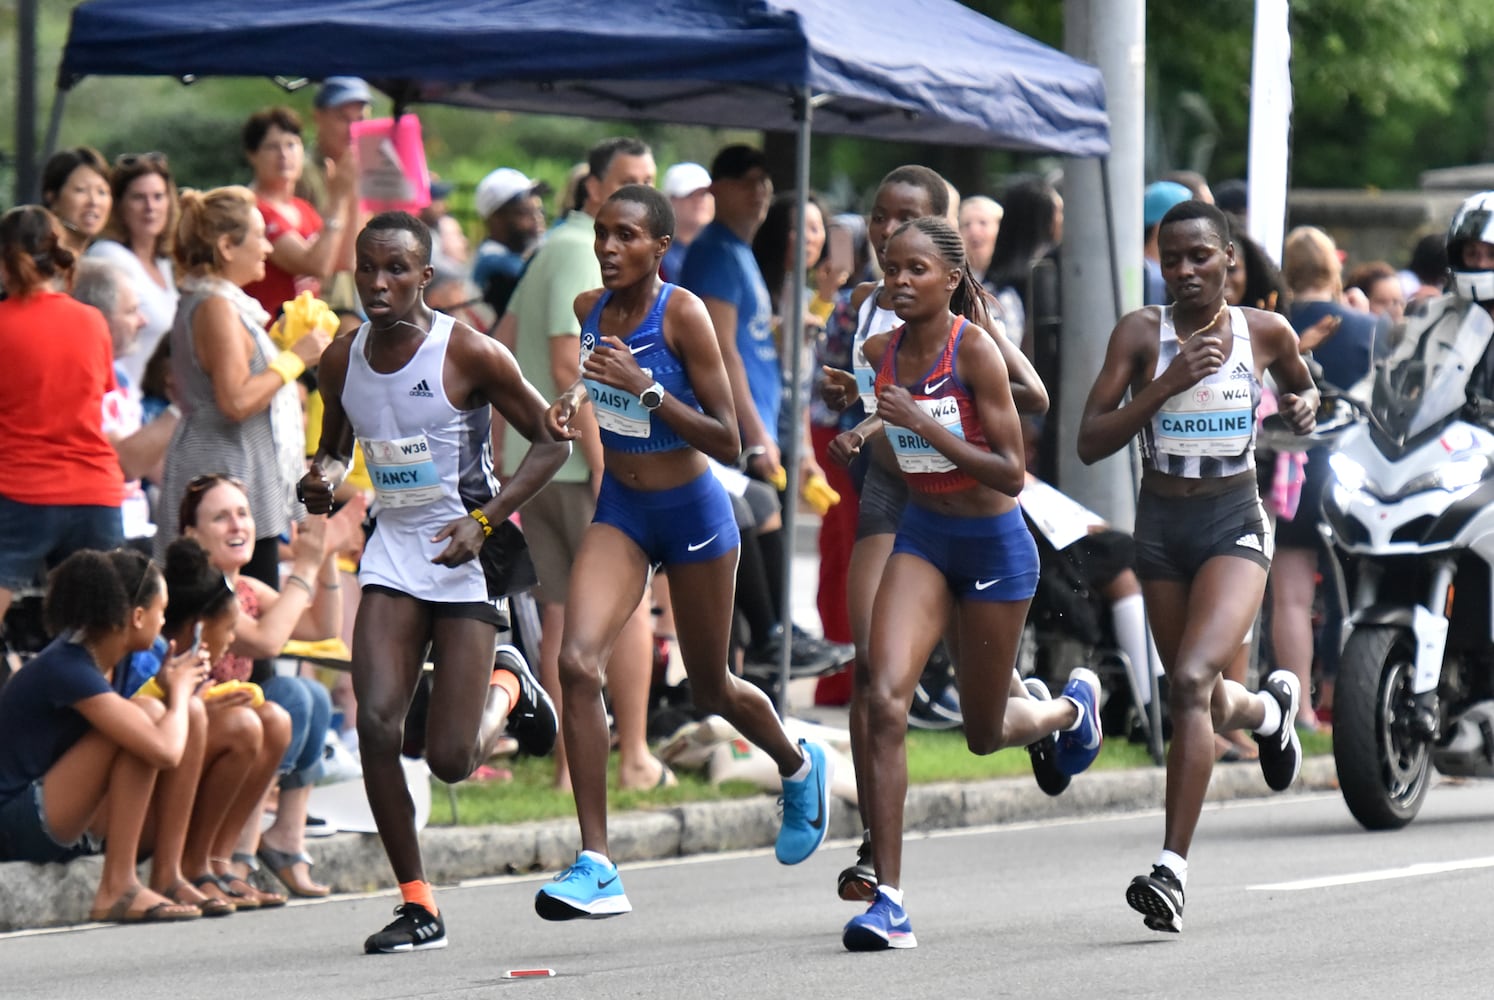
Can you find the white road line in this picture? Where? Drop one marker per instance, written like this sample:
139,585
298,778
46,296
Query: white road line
1383,875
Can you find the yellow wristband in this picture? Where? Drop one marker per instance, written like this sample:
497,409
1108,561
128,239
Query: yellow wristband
288,365
482,519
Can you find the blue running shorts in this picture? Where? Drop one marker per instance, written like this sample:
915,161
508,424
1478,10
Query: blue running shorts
687,524
982,558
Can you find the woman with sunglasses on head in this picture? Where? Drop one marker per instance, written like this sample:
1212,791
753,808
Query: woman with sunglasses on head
137,239
78,762
216,513
75,187
962,560
241,408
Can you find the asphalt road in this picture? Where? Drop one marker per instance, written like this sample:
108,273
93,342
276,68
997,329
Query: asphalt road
1287,898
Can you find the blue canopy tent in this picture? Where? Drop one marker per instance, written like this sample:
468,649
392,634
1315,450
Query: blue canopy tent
930,71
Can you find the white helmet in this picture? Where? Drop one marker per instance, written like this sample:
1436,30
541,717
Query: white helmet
1474,221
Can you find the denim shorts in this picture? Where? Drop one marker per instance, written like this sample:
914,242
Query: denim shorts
35,536
24,835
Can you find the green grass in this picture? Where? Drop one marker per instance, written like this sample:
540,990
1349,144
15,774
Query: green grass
932,757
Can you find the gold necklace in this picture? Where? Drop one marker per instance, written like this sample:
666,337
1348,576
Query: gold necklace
1223,308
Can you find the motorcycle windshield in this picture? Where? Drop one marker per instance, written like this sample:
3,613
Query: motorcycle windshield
1425,380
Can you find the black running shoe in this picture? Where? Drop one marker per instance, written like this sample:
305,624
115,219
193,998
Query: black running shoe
1044,752
414,929
531,719
1281,752
1159,898
858,883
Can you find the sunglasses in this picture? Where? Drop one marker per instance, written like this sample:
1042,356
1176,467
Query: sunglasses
129,160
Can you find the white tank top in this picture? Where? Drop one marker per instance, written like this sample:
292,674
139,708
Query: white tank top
871,320
430,463
1208,430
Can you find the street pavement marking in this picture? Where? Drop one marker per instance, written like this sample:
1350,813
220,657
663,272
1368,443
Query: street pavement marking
1383,875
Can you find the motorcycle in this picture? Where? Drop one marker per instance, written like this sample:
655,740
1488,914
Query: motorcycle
1410,512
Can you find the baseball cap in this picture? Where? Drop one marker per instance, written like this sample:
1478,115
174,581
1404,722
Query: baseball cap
339,90
1161,196
684,179
737,161
441,189
501,187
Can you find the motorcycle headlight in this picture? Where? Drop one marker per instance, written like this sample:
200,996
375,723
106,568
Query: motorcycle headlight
1347,473
1452,476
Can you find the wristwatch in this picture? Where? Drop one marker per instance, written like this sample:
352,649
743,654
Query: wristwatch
653,397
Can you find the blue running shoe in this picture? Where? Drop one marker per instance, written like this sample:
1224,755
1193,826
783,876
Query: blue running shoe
884,925
1044,752
806,808
589,888
1078,748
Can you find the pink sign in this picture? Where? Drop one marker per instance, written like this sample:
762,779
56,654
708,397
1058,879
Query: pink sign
392,173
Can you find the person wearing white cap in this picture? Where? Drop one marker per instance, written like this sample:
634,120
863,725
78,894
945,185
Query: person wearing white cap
513,214
688,186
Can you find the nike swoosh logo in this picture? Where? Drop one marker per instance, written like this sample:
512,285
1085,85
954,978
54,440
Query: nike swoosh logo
697,546
819,816
985,584
602,885
933,387
635,350
896,922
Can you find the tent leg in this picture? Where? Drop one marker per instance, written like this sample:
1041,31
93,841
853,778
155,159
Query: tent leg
793,326
54,124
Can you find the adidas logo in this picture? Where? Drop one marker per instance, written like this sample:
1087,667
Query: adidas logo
422,389
1240,371
1249,542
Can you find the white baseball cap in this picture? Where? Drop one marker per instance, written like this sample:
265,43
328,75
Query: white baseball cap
684,179
501,187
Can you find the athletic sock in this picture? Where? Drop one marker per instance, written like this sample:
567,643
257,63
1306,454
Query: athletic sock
891,892
1272,722
1128,618
600,859
506,680
419,891
1177,864
803,771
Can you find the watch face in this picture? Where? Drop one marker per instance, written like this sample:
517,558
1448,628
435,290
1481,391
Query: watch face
652,397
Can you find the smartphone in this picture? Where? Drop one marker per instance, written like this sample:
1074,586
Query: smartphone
196,637
840,249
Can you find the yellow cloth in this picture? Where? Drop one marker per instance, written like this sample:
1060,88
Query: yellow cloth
299,317
325,649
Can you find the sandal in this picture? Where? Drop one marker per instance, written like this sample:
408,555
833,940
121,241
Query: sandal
210,881
283,865
211,906
162,912
239,889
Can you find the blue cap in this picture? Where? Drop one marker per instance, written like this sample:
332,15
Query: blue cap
339,90
1161,196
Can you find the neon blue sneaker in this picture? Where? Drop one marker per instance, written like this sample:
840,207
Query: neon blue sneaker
884,925
1078,748
806,806
589,888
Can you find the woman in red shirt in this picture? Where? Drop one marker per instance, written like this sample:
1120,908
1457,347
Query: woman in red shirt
60,481
304,245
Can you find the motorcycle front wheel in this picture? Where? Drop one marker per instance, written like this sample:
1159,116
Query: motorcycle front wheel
1383,770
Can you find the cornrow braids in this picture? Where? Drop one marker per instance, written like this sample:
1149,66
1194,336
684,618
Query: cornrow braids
969,298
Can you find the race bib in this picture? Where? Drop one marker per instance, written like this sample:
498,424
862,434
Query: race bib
913,451
1214,420
402,472
618,411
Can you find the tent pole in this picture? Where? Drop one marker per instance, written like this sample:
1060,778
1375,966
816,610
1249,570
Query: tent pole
793,326
54,124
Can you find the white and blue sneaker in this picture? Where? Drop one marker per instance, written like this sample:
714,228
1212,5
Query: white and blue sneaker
806,808
1078,747
590,889
884,925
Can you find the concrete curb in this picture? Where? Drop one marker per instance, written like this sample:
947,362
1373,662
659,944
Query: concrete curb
54,895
